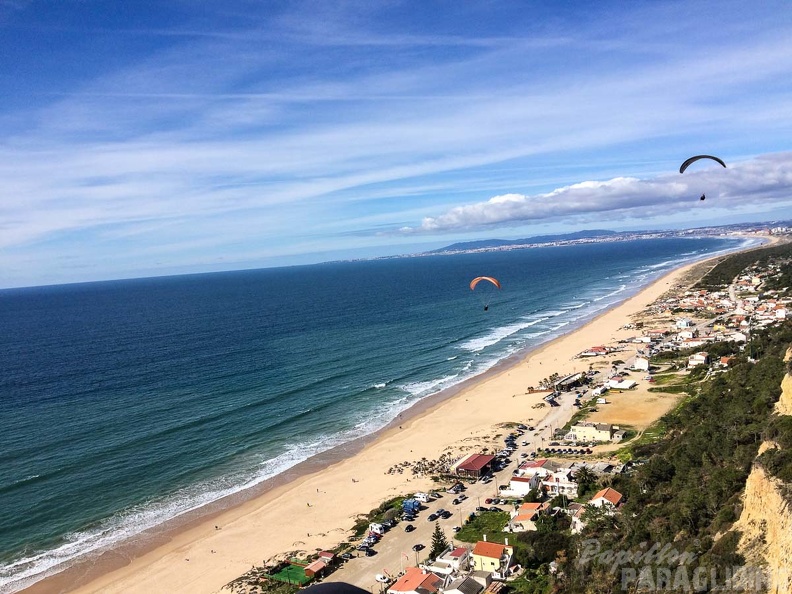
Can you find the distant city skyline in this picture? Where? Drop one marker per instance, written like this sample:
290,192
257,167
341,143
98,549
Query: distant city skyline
181,137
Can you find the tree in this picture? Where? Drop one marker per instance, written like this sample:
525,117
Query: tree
439,542
586,479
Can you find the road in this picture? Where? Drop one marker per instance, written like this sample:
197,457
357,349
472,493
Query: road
395,550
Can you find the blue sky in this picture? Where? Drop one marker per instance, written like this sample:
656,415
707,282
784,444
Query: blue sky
150,138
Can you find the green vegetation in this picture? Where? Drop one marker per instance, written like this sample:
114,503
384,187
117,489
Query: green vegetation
489,523
777,461
733,265
387,510
439,542
291,574
685,487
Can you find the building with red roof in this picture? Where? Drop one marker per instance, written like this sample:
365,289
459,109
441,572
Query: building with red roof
607,498
475,466
416,581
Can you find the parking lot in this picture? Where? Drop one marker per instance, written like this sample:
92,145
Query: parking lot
395,550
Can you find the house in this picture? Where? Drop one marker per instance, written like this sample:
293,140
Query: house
621,384
541,467
696,359
576,511
316,568
592,431
475,466
524,518
641,364
684,323
520,486
416,581
464,585
560,482
459,558
493,557
724,361
607,498
450,562
484,578
736,337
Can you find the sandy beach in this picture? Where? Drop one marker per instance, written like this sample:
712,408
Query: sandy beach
317,510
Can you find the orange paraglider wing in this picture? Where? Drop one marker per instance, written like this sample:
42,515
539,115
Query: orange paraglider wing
478,279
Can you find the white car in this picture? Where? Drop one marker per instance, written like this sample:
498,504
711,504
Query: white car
381,578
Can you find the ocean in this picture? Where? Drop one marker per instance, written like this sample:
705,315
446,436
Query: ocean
124,404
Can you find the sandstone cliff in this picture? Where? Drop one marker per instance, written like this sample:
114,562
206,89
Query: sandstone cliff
766,519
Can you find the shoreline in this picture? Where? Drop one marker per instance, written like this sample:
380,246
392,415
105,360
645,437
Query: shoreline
175,553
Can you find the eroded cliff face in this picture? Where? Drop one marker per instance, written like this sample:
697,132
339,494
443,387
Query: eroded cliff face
766,519
784,404
766,527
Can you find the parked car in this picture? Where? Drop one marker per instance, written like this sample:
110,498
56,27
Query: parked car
495,509
481,509
381,578
346,556
370,552
457,528
488,500
446,514
362,547
418,547
456,501
409,528
432,517
462,497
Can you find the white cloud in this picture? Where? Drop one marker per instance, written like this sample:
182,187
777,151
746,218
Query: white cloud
767,179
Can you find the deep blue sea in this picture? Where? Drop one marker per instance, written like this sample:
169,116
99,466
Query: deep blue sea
126,403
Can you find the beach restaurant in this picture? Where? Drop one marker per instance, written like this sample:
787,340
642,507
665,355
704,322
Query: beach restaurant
473,466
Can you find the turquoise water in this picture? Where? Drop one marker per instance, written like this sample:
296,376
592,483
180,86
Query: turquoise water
124,404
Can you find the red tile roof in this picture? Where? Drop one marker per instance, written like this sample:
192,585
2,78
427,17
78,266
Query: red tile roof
476,462
458,552
415,578
610,495
492,550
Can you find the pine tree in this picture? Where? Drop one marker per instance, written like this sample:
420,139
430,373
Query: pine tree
439,541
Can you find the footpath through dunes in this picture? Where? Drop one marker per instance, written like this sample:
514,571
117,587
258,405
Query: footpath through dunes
315,505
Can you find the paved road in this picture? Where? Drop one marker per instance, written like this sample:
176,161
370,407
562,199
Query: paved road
394,551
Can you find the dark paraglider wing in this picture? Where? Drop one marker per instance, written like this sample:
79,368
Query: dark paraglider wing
478,279
687,162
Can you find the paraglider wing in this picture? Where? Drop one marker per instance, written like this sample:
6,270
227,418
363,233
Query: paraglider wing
478,279
687,162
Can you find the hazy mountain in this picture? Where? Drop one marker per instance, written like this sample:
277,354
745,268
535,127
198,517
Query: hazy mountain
496,243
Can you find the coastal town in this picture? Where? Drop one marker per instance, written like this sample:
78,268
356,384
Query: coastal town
551,471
